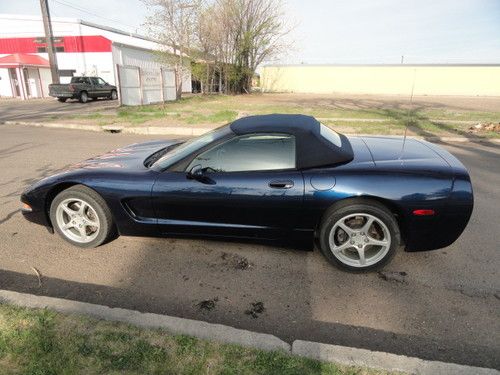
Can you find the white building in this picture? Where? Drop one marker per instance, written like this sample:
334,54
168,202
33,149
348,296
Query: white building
82,48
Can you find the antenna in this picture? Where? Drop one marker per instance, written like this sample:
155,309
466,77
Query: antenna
409,112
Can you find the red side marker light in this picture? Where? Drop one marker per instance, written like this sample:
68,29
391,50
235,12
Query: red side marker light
26,207
423,212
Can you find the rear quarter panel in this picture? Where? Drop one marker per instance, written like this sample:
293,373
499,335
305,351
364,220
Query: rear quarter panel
402,190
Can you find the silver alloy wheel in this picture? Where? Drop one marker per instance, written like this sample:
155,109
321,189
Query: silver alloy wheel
84,97
359,240
77,220
114,95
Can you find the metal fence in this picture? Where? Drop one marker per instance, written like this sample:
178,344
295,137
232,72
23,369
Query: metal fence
145,86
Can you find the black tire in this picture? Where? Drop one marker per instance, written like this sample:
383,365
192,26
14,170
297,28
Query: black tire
369,207
62,100
84,97
113,95
106,231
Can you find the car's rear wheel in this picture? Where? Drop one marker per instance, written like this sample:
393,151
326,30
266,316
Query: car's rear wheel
359,236
62,100
113,95
84,97
81,217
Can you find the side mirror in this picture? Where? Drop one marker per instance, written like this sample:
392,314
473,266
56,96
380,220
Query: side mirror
195,172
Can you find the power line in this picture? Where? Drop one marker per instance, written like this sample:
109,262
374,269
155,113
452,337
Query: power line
76,7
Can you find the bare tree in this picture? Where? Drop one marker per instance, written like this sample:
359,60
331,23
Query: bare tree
173,23
230,37
256,32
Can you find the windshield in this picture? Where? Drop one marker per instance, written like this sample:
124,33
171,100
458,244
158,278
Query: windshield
187,148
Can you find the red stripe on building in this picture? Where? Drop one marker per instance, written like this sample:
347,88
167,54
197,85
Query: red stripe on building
84,43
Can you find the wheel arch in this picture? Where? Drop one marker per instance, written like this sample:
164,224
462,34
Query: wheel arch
54,191
367,199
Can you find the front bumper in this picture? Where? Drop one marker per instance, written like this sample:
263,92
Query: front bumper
35,214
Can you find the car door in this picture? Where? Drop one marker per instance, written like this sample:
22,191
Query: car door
104,87
246,187
96,89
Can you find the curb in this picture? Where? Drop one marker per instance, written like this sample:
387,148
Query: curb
192,131
178,326
225,334
382,361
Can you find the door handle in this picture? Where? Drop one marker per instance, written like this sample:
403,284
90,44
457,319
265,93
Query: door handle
287,184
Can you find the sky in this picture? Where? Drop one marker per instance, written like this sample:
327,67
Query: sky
341,31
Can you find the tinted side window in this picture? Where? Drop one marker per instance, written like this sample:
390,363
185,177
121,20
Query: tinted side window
100,81
79,80
259,152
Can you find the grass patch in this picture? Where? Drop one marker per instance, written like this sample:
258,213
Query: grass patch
224,116
221,109
36,342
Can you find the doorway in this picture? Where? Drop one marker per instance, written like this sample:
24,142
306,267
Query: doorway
16,91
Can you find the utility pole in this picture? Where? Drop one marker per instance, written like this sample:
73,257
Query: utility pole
47,25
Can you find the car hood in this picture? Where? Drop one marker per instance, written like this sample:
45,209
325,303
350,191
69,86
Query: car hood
128,157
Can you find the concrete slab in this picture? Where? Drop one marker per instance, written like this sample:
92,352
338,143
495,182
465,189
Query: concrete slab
380,360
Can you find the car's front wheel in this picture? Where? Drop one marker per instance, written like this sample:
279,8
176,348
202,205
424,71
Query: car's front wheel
113,95
360,236
81,217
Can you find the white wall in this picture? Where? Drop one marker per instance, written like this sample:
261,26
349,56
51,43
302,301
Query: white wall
5,86
89,64
46,78
34,83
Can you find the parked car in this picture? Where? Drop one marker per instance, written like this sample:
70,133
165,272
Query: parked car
278,177
83,89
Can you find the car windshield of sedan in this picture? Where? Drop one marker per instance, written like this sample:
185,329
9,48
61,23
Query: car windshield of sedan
188,147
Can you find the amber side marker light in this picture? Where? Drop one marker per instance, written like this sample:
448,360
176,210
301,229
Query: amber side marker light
26,207
423,212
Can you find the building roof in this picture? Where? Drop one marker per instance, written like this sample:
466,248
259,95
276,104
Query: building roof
22,26
312,148
22,59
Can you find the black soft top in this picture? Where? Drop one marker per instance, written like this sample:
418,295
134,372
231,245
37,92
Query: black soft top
313,150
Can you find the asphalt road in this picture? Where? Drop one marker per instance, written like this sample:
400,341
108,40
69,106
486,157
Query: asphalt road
47,109
445,308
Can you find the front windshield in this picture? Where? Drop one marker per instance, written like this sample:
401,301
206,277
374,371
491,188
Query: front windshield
187,148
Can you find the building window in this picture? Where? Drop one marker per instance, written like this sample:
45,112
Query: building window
44,49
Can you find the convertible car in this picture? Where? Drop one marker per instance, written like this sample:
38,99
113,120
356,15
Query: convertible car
273,177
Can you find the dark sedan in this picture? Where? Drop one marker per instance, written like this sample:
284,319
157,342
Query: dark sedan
284,178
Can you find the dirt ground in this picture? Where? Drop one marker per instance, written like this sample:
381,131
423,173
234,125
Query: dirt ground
352,101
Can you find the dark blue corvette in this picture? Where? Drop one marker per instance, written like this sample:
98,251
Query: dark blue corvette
274,177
